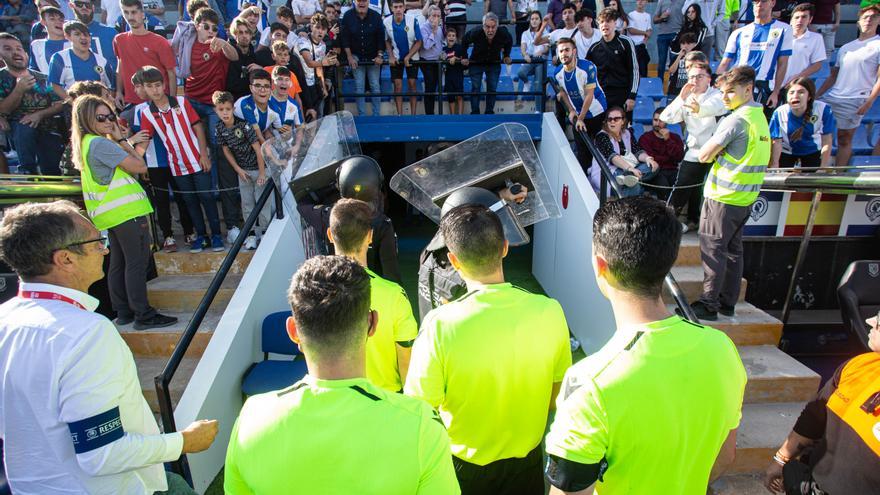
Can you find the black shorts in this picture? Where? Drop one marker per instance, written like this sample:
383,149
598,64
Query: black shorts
812,160
412,72
454,84
515,476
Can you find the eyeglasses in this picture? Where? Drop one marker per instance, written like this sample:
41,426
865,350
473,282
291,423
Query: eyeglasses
209,27
614,119
261,86
104,117
697,76
105,243
83,5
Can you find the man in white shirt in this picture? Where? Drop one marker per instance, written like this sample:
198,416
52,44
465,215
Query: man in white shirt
570,27
808,47
639,31
72,415
854,82
698,106
585,35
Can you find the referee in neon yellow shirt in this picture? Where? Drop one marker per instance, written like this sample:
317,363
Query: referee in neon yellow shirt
334,431
389,349
657,408
491,362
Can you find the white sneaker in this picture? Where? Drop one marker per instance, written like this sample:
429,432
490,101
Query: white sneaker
627,180
250,243
684,228
232,235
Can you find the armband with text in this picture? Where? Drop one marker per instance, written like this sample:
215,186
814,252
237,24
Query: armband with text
97,431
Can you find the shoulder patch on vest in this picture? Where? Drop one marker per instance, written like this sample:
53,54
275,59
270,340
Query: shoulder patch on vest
358,389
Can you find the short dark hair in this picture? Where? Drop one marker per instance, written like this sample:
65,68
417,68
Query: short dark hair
196,5
608,14
804,7
137,78
81,88
30,233
45,11
659,110
275,26
284,11
583,14
222,97
151,74
131,3
71,26
742,75
281,71
207,14
10,37
260,74
350,222
567,41
639,238
330,299
688,37
474,234
568,5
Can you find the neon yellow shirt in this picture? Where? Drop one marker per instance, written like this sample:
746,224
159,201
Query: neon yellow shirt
657,402
338,436
396,324
488,362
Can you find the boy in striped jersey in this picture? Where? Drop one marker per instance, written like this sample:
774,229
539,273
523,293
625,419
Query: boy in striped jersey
43,49
177,124
255,108
79,62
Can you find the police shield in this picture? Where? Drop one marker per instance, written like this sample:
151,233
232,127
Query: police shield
497,158
311,147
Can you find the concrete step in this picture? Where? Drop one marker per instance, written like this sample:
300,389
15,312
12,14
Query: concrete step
689,251
762,430
185,292
774,376
739,484
185,263
160,342
690,279
748,326
149,368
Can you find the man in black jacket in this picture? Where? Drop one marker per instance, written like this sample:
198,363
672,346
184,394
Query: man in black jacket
491,45
615,58
238,76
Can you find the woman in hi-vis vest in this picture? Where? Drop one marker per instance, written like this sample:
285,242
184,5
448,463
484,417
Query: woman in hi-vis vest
117,204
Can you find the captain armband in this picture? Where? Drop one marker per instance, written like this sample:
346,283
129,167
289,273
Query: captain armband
95,432
571,476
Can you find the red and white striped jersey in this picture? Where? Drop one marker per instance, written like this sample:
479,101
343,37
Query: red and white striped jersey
174,126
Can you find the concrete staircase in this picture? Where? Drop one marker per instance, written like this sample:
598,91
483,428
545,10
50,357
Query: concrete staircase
778,385
182,282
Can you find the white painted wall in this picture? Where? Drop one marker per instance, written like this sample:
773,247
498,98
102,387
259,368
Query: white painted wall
562,246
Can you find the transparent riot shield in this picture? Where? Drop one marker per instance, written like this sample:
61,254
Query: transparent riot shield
304,160
497,158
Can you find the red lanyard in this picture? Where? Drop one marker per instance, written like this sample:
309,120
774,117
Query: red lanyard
54,296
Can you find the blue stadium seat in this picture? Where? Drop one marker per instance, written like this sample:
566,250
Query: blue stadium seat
864,160
643,113
505,84
515,52
714,65
274,374
651,87
873,113
639,129
676,129
861,144
823,72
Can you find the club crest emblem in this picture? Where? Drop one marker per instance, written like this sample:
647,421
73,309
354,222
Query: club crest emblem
759,208
99,69
872,209
873,269
206,56
238,133
814,118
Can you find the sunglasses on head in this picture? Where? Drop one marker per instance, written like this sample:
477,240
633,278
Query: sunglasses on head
104,117
209,27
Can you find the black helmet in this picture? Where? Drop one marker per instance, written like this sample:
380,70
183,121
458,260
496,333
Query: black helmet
359,177
468,196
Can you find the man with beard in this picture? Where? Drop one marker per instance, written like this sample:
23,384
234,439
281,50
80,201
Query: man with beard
102,36
238,76
29,102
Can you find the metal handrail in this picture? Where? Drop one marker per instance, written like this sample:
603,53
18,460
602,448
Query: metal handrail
162,381
439,94
606,179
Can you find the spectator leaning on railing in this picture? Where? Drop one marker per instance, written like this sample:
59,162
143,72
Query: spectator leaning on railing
363,39
491,47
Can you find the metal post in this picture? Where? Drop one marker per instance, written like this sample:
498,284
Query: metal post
801,255
603,189
441,68
542,100
340,99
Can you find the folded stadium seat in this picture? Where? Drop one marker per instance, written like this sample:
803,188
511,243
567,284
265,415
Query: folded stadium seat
643,113
505,84
274,374
516,52
651,87
862,143
676,129
819,82
858,296
873,113
639,129
864,160
823,72
713,64
348,88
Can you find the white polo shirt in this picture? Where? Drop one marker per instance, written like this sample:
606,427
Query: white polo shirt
806,51
857,63
72,415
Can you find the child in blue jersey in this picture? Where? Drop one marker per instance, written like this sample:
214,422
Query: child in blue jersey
255,108
288,110
802,129
79,62
42,50
403,39
454,82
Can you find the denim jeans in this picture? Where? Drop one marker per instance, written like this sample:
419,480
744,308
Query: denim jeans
493,72
222,174
370,72
663,42
527,70
636,190
199,181
38,151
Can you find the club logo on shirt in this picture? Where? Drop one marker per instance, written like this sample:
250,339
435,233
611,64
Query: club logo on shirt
178,111
238,133
146,50
775,33
814,118
99,69
206,56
